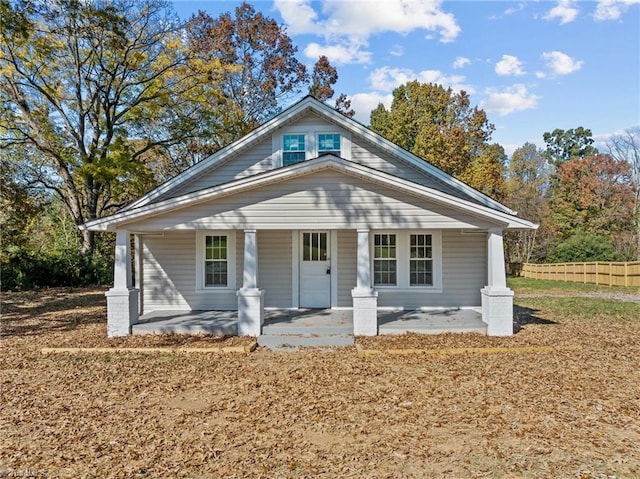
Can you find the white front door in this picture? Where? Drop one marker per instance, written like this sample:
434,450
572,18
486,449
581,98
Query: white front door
315,270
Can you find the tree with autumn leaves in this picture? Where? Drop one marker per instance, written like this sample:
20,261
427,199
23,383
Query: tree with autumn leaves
100,101
585,201
440,126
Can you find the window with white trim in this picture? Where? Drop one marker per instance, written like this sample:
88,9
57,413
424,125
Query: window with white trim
421,260
215,261
328,143
407,260
384,260
293,149
216,271
299,144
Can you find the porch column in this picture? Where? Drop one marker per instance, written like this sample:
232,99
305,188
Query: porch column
365,298
250,298
497,299
122,299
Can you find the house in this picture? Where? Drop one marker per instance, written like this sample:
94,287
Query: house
310,210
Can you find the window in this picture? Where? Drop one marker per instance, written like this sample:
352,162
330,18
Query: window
305,142
328,143
421,260
384,260
215,261
215,269
314,247
293,149
407,260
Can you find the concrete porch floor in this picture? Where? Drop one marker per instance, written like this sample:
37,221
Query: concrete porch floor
313,322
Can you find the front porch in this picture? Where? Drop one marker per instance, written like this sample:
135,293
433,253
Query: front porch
314,323
211,311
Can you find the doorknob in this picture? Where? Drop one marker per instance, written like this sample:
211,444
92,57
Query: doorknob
328,270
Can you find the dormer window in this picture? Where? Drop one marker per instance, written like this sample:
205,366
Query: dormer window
293,149
295,146
328,143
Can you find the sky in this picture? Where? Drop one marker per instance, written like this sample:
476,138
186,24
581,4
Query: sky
533,66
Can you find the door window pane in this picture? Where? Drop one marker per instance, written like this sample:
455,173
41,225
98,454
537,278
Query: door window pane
314,246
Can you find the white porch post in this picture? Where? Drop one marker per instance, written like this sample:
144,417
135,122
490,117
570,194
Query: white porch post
497,299
365,298
250,298
122,299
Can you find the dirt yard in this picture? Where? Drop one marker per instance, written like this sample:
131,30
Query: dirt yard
571,412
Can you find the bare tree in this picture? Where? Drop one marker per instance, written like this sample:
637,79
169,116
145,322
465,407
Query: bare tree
626,146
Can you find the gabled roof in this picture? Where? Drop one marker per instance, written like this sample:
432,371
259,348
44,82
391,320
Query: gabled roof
371,175
310,104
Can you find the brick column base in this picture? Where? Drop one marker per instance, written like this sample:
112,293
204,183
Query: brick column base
250,311
365,312
497,311
122,311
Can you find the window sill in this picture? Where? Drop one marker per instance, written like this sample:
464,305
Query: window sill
215,290
412,289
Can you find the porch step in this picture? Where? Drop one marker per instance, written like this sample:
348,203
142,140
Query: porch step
293,341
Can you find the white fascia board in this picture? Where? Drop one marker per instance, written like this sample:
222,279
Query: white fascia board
424,192
223,154
371,175
299,108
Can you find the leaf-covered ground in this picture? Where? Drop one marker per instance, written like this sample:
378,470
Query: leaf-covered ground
566,413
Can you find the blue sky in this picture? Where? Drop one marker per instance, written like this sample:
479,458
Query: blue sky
532,66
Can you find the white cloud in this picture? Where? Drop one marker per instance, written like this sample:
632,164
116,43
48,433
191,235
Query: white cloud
367,17
397,50
513,98
299,16
612,9
365,103
339,54
386,79
509,65
517,8
561,63
565,10
460,62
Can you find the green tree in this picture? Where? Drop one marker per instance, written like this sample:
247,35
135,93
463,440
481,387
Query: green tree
582,247
440,126
91,89
563,145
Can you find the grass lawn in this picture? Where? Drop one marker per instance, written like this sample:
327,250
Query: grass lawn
572,412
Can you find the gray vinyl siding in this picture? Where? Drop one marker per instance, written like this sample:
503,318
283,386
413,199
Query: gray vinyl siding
326,199
347,266
274,267
169,274
373,156
309,122
253,161
464,273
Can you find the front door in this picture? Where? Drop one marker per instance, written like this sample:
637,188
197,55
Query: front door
315,270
